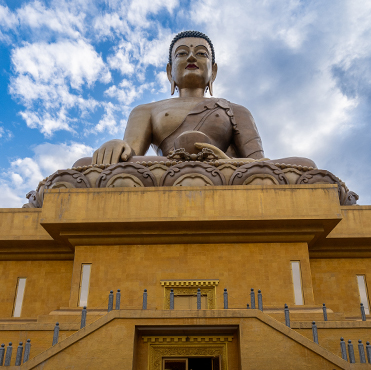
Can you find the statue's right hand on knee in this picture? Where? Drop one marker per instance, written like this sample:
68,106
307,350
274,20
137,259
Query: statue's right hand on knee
113,151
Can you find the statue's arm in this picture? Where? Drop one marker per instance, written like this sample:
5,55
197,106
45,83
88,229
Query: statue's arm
138,133
247,141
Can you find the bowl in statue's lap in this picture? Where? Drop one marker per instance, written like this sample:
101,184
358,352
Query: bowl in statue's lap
187,141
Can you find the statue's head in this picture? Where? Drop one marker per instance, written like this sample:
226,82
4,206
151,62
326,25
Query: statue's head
191,62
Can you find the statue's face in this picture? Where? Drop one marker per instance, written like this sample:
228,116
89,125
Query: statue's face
191,63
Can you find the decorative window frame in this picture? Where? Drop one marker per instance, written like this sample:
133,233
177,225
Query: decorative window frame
189,287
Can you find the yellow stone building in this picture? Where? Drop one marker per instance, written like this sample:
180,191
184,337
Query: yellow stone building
295,243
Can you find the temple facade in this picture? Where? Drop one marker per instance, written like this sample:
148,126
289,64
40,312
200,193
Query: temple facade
229,276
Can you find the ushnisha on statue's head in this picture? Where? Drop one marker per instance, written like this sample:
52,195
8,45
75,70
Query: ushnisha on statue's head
191,68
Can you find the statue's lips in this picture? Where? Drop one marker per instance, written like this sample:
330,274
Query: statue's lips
191,66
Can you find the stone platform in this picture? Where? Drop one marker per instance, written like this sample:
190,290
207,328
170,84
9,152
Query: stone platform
187,173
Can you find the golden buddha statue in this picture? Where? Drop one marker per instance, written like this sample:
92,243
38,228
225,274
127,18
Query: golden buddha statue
191,121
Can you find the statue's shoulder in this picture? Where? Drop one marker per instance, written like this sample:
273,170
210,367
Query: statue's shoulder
149,107
239,109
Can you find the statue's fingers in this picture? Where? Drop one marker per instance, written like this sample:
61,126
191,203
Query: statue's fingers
107,156
215,149
95,156
116,154
101,155
126,154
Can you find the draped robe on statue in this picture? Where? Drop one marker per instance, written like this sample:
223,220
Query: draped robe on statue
215,118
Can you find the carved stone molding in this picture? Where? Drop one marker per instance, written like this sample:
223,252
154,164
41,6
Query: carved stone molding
33,200
92,174
227,170
258,173
350,198
292,174
126,175
66,179
192,174
187,339
190,283
323,177
189,173
158,170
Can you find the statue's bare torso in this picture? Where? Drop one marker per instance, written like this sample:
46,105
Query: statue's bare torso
167,115
152,123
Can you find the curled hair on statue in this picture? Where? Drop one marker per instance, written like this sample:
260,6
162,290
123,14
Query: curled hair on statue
184,34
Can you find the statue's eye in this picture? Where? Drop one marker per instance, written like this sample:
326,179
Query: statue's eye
181,54
202,54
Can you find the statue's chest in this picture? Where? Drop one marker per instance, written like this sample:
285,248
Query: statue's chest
168,116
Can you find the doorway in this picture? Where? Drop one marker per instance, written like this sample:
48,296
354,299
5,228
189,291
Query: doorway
192,363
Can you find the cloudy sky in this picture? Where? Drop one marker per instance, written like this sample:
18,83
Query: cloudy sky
71,71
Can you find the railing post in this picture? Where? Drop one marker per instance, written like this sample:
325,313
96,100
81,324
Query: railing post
118,299
83,317
343,349
315,332
18,358
363,313
324,309
199,299
56,334
171,299
8,355
260,300
225,298
287,315
27,350
145,296
352,358
252,297
368,351
361,350
110,301
2,353
248,306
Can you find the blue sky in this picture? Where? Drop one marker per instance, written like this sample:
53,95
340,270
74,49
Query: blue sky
71,71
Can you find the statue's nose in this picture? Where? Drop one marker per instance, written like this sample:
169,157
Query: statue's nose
191,58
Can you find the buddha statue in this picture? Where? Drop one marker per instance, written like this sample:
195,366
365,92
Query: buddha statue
192,121
199,141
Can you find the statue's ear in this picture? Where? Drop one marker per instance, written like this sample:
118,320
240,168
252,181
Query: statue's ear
170,78
213,77
215,71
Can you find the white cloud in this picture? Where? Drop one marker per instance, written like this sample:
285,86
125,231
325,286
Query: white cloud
49,80
127,92
108,122
46,122
121,60
8,20
58,19
5,134
24,174
107,24
138,11
163,81
138,53
75,61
